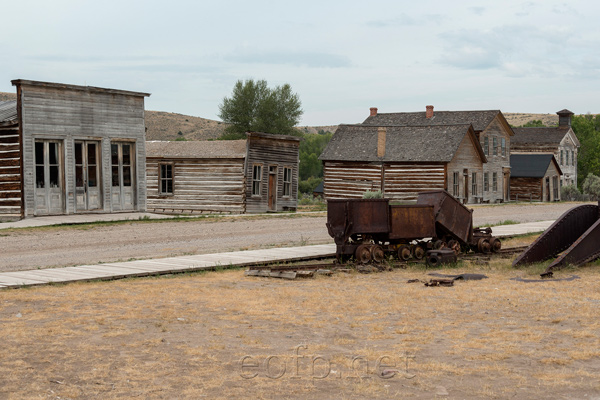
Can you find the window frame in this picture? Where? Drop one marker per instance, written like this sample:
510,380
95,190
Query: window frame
486,146
474,184
495,145
287,183
486,181
503,146
166,179
456,184
257,179
494,181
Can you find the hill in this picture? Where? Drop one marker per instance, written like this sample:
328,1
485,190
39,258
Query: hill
166,126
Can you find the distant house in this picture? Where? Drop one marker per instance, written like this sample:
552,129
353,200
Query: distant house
403,160
559,141
535,176
72,149
258,174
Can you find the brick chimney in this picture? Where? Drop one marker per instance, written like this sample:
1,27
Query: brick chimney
373,111
564,118
381,141
429,112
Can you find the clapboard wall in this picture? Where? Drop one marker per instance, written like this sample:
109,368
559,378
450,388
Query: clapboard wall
66,113
276,151
199,186
10,172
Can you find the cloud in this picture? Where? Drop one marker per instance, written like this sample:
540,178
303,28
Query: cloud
299,59
401,20
477,10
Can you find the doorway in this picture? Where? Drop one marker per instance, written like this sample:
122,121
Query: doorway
122,176
272,195
49,180
87,176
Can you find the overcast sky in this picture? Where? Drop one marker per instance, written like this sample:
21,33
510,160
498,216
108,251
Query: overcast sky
341,57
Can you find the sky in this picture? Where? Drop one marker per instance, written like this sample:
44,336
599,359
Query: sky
340,57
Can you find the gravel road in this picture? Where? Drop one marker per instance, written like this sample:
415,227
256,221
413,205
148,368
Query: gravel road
91,244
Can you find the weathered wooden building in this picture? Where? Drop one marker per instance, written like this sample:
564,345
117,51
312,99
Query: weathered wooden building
491,129
401,161
535,176
560,141
254,175
81,149
10,160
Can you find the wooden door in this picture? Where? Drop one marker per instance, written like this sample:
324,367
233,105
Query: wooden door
123,176
466,174
547,189
87,176
49,185
272,195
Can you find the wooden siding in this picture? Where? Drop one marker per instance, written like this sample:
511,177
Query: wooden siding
496,163
199,186
67,115
342,180
405,181
277,153
536,188
10,172
466,160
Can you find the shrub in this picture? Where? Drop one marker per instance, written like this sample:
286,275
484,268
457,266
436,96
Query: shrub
591,186
307,186
373,195
570,193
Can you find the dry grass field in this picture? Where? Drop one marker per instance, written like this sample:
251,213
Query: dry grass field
223,335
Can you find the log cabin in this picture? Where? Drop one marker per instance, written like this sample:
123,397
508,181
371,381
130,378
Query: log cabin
491,129
401,161
535,177
254,175
72,149
559,140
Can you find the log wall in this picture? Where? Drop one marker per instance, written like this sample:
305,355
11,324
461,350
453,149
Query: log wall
10,172
405,181
344,180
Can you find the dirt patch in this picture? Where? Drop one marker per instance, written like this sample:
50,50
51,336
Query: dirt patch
223,335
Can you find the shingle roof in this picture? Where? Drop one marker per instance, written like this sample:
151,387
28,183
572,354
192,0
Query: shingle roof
435,143
8,112
531,165
543,135
197,149
479,119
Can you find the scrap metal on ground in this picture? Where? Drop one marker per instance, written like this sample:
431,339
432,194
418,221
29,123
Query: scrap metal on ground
574,238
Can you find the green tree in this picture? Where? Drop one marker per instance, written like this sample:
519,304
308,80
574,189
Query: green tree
591,186
310,149
253,106
536,123
587,129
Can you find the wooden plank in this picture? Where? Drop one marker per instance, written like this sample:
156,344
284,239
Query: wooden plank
9,163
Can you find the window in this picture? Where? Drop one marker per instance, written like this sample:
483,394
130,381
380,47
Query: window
567,157
165,179
287,181
495,144
503,141
495,181
455,187
486,146
573,157
256,179
562,157
486,182
474,183
555,187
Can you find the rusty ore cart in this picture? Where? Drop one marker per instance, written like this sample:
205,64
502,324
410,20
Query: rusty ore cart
368,229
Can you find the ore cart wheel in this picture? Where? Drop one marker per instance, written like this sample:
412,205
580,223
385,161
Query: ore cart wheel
404,252
419,252
454,245
439,244
363,254
377,253
484,246
433,260
496,245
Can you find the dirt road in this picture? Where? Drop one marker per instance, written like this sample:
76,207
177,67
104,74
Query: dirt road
91,244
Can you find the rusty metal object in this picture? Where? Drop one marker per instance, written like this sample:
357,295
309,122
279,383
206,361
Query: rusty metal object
576,234
436,258
451,217
412,222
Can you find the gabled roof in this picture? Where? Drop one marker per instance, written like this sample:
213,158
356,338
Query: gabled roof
435,143
8,113
479,119
196,149
543,135
531,165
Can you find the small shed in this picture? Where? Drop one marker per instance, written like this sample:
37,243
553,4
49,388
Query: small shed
535,176
69,149
257,174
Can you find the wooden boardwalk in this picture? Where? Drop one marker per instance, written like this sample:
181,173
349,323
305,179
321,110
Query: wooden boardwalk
200,262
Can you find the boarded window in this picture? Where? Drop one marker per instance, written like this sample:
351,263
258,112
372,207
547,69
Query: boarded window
455,185
495,181
166,179
474,183
256,179
287,181
486,182
486,146
495,145
503,143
